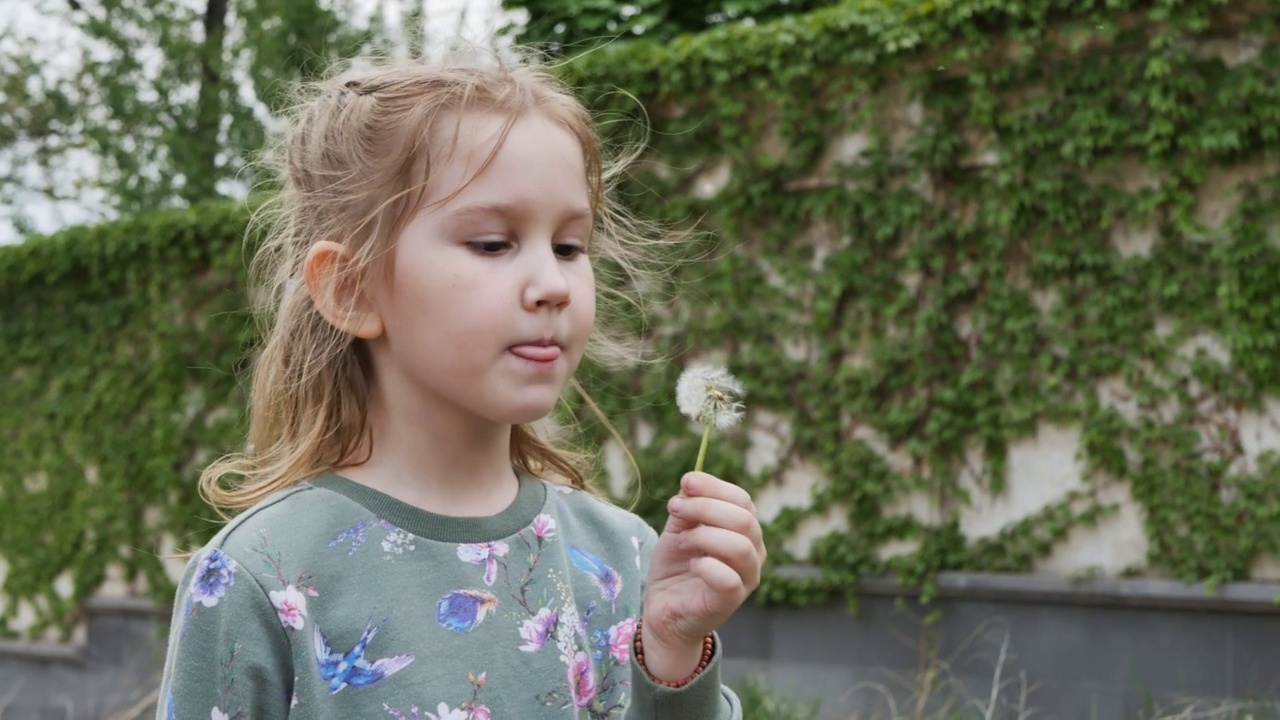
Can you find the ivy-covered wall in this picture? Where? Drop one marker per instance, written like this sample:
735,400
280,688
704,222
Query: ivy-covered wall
116,384
949,233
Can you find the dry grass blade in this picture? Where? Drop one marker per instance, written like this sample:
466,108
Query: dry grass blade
139,709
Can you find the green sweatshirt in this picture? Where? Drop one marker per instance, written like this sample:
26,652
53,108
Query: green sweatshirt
332,600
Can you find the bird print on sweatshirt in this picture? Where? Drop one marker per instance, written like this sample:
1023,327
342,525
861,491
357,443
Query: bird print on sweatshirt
351,669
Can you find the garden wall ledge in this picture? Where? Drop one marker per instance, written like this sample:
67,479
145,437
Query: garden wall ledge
1236,597
1259,597
73,651
1096,647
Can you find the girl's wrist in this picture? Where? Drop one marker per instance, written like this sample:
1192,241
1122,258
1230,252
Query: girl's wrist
671,663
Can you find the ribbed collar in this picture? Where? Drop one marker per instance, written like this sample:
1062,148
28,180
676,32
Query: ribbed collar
530,499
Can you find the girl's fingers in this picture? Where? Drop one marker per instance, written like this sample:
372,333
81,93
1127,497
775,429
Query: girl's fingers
734,551
704,485
695,511
718,576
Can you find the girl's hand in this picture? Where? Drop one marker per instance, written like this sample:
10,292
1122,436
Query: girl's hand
705,564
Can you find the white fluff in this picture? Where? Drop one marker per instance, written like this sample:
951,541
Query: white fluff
706,393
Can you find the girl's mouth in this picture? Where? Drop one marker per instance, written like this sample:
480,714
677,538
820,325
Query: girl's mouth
537,353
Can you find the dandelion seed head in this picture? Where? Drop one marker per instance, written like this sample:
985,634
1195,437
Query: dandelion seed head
706,393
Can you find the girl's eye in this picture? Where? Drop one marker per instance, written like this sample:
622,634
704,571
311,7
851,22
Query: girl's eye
568,251
490,247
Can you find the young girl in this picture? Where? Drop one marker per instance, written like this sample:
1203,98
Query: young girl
412,548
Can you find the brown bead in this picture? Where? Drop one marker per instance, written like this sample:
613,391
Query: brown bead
708,650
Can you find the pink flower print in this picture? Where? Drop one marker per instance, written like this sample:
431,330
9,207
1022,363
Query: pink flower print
544,526
582,681
486,554
481,712
620,636
535,630
291,606
444,713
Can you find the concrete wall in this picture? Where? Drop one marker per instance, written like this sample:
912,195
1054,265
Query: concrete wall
1023,646
111,674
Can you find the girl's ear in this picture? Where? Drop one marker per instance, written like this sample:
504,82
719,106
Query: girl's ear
335,292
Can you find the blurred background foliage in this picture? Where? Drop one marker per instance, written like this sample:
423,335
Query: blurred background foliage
573,26
945,226
167,102
132,105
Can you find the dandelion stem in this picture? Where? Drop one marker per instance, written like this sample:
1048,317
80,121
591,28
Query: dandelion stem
702,449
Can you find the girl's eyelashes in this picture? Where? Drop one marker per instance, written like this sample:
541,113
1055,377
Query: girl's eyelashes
564,251
568,251
490,247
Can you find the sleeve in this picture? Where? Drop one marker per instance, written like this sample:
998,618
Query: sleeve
703,699
228,655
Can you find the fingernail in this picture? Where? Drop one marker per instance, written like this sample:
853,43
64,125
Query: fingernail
687,481
677,504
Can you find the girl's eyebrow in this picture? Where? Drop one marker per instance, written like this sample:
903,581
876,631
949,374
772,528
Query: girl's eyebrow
481,209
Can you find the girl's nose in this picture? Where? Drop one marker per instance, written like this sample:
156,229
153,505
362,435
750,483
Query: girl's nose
547,284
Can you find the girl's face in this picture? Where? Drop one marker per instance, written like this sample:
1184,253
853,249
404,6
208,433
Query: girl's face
491,296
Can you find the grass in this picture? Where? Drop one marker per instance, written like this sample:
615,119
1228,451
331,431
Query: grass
758,703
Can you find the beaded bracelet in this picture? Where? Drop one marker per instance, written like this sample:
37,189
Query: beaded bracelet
708,650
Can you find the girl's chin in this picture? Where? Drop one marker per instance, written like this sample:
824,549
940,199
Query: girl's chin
529,414
521,405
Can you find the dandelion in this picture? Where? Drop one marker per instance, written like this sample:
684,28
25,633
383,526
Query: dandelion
711,396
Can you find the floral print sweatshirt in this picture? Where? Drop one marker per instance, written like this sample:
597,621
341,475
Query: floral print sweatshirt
332,600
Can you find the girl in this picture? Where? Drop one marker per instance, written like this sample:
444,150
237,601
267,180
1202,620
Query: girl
412,548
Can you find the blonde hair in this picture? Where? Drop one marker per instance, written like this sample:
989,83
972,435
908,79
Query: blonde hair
352,168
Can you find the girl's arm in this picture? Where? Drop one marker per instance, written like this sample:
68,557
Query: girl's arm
229,656
701,569
704,698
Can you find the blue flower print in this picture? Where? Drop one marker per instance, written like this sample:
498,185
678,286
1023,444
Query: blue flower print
215,573
606,578
462,610
350,668
600,638
355,535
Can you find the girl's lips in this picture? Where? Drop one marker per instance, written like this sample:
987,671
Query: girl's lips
537,353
